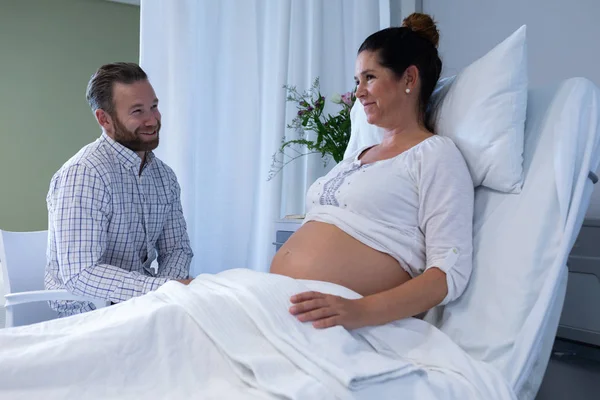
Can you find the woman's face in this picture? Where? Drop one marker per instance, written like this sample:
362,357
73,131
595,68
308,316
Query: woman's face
381,93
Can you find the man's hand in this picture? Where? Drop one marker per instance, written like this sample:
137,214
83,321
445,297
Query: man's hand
326,310
184,281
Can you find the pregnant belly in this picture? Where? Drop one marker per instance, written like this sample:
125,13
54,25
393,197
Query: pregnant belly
323,252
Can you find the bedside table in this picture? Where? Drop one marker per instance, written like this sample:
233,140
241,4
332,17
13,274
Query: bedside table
284,228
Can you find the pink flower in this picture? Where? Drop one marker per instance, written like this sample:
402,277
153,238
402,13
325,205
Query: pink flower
347,98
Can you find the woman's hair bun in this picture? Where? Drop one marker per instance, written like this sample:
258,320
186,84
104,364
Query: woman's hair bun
424,25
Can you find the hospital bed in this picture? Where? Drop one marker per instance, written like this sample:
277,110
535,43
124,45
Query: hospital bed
509,315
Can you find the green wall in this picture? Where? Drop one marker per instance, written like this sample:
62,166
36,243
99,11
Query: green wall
48,51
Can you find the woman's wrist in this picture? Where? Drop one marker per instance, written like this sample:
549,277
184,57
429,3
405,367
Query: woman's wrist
380,309
370,311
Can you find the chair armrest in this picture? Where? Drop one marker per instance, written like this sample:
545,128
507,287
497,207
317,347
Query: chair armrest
13,299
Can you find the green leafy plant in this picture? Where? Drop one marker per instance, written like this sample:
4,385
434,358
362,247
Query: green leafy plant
332,131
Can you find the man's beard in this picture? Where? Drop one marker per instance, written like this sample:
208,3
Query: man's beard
133,140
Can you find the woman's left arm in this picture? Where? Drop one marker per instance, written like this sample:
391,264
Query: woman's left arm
414,297
409,299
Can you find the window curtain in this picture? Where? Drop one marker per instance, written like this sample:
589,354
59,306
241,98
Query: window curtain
219,68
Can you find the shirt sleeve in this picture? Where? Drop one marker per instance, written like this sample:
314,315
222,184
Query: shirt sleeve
446,197
173,245
81,214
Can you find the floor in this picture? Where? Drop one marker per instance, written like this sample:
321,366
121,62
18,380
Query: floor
573,373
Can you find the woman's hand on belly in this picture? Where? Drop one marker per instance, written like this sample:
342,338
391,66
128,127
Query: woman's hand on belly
325,310
406,300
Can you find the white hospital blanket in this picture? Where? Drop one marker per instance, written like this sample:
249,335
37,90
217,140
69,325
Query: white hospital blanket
230,336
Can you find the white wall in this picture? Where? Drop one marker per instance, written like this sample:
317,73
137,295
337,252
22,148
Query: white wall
562,38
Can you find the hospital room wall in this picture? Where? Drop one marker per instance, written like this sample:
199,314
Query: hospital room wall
48,51
562,38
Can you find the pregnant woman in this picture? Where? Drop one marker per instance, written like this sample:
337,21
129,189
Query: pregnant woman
393,222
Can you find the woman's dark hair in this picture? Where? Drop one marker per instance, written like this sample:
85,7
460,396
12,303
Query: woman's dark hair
415,43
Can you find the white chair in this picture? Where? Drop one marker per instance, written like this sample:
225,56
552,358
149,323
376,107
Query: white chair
23,260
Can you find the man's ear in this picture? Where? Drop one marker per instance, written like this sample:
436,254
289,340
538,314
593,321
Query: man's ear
104,119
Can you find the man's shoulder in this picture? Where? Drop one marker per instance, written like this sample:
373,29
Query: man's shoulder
94,158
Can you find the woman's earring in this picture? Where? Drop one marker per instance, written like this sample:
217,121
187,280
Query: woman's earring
407,90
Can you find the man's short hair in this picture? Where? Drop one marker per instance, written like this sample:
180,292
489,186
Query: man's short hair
99,91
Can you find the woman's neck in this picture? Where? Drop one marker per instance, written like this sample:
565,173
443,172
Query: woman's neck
404,132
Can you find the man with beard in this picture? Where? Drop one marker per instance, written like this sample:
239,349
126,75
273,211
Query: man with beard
114,207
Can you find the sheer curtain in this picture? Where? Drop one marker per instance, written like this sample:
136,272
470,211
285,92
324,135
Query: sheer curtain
218,68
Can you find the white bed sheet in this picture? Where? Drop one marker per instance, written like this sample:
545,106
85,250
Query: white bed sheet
230,336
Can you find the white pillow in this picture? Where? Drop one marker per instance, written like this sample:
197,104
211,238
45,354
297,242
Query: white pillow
482,109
